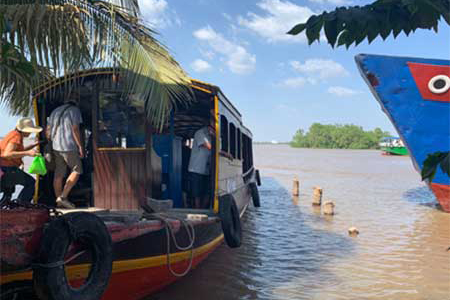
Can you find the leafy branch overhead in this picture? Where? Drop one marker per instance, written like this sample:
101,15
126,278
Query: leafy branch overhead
433,161
345,26
54,38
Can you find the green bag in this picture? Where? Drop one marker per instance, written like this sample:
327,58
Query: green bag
38,166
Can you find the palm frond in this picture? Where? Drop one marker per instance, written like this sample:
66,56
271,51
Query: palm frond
125,7
66,36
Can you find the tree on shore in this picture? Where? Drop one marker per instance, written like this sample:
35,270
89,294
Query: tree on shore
44,39
338,137
348,25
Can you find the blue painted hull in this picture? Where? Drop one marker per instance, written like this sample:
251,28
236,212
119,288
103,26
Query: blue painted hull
420,113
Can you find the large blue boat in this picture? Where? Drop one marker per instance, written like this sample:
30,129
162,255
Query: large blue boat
414,93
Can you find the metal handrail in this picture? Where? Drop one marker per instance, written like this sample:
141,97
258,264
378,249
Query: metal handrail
248,172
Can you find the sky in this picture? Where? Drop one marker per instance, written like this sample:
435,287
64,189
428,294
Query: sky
278,82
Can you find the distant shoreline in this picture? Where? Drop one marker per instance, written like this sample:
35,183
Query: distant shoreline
310,148
271,143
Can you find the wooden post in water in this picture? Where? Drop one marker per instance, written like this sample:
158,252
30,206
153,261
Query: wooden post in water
317,196
353,231
295,188
328,208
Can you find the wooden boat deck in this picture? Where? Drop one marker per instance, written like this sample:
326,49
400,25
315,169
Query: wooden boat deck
134,216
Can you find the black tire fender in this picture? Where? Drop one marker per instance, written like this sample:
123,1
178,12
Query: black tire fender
231,222
49,274
255,194
258,177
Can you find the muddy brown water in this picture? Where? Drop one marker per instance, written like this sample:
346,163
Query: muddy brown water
291,251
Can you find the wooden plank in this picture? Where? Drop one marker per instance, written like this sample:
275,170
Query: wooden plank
89,209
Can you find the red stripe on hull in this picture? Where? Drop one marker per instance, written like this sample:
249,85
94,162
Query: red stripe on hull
442,193
139,283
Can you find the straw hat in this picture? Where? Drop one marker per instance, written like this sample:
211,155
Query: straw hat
27,125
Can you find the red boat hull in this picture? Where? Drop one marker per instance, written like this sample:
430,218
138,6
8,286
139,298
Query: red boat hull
442,193
138,283
131,279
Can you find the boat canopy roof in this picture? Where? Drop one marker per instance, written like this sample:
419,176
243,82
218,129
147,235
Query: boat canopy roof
203,91
215,90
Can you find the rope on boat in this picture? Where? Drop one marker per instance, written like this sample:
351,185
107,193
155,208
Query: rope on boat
58,263
170,233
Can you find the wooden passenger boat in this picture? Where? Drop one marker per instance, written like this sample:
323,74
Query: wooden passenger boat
135,183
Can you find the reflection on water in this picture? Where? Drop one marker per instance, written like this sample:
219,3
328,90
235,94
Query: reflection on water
291,251
422,196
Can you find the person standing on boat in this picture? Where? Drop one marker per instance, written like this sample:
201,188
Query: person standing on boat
198,168
63,130
12,151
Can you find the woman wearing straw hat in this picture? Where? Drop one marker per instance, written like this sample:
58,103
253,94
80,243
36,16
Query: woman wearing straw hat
12,151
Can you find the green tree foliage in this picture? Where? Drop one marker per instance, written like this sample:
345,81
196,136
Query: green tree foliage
348,25
338,137
432,163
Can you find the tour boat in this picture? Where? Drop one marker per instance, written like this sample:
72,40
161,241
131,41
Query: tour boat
393,146
134,230
414,93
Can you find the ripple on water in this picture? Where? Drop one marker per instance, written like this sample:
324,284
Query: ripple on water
293,252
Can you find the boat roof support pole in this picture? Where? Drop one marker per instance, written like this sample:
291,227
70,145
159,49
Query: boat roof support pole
216,154
148,159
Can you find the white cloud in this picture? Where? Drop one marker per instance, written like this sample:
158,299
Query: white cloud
278,18
208,54
342,91
227,16
237,58
334,2
200,66
157,14
294,82
320,68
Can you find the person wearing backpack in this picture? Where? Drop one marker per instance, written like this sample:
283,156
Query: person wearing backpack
12,150
63,129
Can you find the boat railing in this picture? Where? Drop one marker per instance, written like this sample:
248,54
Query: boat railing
247,174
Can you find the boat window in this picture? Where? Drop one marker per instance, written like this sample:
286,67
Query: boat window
239,137
224,133
244,153
250,152
233,140
121,122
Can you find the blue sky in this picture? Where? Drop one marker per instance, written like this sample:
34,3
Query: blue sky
278,82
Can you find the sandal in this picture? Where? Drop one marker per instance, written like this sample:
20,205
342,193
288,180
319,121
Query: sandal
62,202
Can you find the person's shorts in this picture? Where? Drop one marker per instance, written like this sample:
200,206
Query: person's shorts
69,159
199,184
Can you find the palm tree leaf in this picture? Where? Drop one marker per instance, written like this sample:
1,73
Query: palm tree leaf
89,36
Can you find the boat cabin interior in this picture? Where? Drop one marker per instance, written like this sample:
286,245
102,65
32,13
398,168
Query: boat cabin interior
126,159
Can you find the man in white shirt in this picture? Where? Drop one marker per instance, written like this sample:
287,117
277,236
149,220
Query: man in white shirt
64,130
199,166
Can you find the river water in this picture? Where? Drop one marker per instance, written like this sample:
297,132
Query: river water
292,251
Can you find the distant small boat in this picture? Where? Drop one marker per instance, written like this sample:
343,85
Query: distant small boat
393,146
415,95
